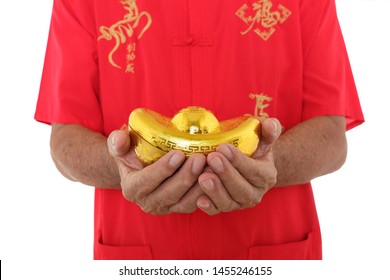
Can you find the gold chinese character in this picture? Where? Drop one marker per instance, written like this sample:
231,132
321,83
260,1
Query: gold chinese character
261,104
261,18
130,68
131,47
124,29
130,57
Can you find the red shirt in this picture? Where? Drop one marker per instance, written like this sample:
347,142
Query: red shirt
277,58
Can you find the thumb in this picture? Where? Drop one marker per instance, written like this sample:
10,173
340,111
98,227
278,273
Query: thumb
119,142
270,132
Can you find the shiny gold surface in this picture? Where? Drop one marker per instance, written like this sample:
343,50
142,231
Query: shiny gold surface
192,130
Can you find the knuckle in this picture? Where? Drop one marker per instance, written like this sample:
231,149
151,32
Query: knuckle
168,197
232,206
256,198
246,195
146,208
128,193
187,181
250,198
271,179
165,172
186,208
131,192
153,209
128,196
265,178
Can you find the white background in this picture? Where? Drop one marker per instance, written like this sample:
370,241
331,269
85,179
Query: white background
46,222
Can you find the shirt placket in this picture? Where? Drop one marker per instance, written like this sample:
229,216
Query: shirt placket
193,50
200,43
200,52
181,56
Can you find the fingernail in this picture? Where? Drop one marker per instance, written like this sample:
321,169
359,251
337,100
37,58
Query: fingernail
208,185
225,150
175,160
217,165
113,138
275,126
204,204
197,166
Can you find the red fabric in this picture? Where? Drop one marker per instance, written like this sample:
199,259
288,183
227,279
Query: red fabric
279,58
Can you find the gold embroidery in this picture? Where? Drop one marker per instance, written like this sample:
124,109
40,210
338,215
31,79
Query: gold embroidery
261,19
130,57
123,30
261,104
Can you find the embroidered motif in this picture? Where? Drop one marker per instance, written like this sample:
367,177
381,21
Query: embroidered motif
261,19
262,102
124,30
130,57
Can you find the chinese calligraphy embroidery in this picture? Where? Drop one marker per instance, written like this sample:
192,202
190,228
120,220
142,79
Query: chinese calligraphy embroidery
262,102
261,18
122,31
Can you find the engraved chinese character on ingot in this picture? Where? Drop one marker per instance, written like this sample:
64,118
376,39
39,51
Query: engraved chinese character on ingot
261,104
261,19
125,29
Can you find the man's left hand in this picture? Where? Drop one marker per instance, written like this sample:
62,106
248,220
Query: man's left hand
235,181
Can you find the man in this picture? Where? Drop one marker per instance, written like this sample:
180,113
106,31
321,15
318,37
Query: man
283,61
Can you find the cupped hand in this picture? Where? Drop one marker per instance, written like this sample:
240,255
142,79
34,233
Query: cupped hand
157,188
234,180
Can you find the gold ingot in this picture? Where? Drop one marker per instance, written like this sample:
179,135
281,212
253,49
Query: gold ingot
191,130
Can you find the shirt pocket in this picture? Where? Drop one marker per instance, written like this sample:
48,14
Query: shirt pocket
109,252
306,249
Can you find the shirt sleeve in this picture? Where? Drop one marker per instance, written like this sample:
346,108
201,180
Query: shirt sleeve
69,86
328,84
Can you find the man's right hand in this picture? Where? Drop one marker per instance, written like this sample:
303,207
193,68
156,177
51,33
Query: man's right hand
157,188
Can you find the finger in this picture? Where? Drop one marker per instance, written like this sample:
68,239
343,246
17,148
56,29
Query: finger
205,204
153,175
173,189
270,132
119,147
138,185
259,173
217,193
238,186
119,143
188,203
